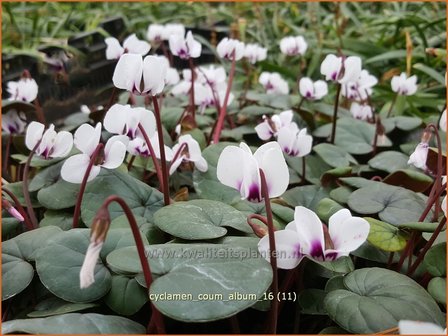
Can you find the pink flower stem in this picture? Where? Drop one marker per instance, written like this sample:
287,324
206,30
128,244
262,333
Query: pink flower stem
39,113
25,189
392,106
192,105
156,315
272,321
19,207
178,153
92,161
335,113
438,181
153,156
223,109
407,250
427,246
166,187
166,53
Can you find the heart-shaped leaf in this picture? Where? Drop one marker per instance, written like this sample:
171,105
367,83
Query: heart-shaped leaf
389,161
55,306
435,260
58,265
394,205
376,299
200,219
126,296
401,122
437,289
385,236
142,199
333,155
74,324
189,271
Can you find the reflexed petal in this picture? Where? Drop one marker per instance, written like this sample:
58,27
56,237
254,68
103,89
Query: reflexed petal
286,138
115,119
263,130
201,164
194,47
62,145
349,233
270,159
352,66
47,142
154,73
172,77
74,169
304,143
407,327
306,87
175,164
229,170
87,272
443,205
330,67
148,121
420,155
29,88
286,117
87,138
114,50
194,150
310,232
34,133
136,46
128,72
115,151
286,246
320,89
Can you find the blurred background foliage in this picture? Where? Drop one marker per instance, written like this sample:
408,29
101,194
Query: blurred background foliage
375,31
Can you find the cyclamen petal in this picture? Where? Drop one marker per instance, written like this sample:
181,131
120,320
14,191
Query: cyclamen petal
114,50
34,133
287,249
75,167
12,123
135,46
87,273
403,85
407,327
309,229
419,156
239,168
114,152
128,73
86,138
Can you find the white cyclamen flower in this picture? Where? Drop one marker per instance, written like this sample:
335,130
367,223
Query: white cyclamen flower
255,53
131,45
240,169
185,47
312,91
419,156
340,69
305,237
227,47
362,112
139,147
24,90
140,76
293,45
52,144
124,120
295,142
270,126
12,123
87,272
273,83
361,88
188,149
86,139
155,32
407,327
404,85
